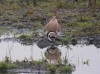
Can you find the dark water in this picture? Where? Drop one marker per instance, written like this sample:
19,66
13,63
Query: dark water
85,57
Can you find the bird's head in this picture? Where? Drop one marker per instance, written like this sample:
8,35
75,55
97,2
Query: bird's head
52,36
54,20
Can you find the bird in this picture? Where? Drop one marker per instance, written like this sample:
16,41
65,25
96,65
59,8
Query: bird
52,29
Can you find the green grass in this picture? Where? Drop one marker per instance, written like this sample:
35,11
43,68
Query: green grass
3,30
52,68
66,69
25,36
18,25
11,66
64,5
4,66
61,5
80,25
70,5
50,14
37,63
38,25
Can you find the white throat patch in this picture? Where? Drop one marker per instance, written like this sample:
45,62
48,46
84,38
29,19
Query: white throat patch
52,34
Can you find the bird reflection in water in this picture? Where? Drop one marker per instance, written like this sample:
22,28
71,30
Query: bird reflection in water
53,54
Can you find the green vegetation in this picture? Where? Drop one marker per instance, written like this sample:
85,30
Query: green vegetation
66,69
4,66
61,5
74,16
37,26
63,69
52,68
37,63
50,14
25,37
11,66
19,25
3,30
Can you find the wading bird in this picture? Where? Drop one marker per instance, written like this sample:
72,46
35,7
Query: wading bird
52,29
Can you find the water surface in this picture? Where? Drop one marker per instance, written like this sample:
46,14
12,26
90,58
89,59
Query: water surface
85,57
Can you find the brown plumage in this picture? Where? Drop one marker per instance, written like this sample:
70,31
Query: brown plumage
52,28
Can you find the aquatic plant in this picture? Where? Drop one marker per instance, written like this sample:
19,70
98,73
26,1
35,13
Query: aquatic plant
7,60
37,63
3,67
66,69
25,37
52,68
11,66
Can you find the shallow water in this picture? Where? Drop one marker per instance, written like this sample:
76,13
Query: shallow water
85,57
